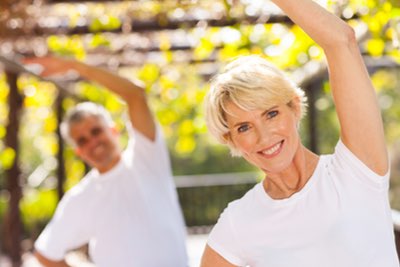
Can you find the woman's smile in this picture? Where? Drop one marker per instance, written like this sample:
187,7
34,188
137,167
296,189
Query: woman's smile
273,150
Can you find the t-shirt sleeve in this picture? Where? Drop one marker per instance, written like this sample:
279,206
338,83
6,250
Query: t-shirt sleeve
223,241
64,232
147,153
344,158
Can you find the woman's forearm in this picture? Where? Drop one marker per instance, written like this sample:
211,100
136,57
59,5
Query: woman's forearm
325,28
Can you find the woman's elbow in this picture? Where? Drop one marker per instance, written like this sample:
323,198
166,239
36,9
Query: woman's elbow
345,38
349,36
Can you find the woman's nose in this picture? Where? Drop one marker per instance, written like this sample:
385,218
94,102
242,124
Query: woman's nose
263,134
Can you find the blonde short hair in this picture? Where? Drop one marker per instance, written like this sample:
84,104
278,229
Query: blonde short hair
250,82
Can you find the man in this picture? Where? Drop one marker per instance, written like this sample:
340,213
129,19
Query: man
126,208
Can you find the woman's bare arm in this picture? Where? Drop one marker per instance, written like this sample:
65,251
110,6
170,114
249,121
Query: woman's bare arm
49,263
212,259
354,95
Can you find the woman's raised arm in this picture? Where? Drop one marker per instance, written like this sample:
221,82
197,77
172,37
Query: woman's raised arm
354,95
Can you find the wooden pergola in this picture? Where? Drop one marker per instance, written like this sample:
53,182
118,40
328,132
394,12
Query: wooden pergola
17,41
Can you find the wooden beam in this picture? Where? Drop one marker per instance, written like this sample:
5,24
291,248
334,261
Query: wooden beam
13,66
61,177
82,2
161,24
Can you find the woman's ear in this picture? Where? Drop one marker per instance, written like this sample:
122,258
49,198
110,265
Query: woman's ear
227,137
228,141
295,104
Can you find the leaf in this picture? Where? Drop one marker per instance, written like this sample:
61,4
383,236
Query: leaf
186,127
104,22
395,13
37,207
149,73
7,157
375,47
2,131
99,40
185,144
168,116
204,49
50,124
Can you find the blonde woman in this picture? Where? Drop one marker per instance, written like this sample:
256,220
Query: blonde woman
310,210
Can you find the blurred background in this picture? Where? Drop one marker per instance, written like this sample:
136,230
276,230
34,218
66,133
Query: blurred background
175,47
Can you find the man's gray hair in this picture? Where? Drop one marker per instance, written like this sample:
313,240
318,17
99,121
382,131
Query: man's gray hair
80,112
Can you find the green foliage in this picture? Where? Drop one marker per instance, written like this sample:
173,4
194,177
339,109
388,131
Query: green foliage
382,20
203,205
149,74
99,40
37,206
105,22
75,169
375,47
67,46
326,119
38,140
7,157
4,198
208,159
387,83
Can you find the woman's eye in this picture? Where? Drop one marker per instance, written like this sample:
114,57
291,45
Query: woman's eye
243,128
272,114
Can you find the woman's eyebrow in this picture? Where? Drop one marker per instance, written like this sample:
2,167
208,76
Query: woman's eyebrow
268,110
239,123
262,114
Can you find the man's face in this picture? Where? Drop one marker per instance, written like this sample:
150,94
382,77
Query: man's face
96,143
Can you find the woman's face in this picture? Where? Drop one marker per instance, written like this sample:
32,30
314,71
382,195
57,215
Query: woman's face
267,139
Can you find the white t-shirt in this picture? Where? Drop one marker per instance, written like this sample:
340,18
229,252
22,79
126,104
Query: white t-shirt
130,215
341,218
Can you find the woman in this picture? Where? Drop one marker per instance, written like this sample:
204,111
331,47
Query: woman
310,210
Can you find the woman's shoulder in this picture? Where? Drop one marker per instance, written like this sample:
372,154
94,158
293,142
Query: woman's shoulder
245,204
343,162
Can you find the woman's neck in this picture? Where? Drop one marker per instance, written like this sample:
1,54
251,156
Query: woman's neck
294,178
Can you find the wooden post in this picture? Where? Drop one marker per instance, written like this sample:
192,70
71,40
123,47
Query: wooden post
13,224
60,153
312,92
